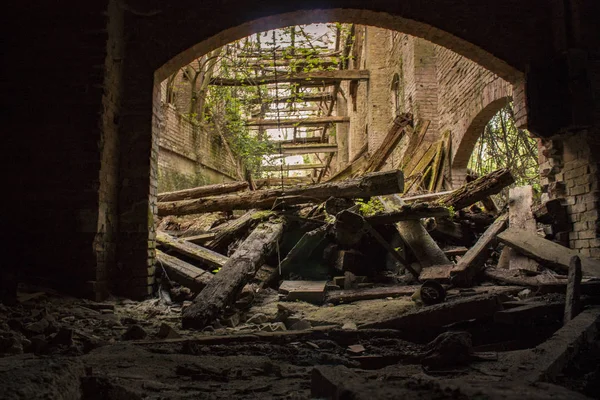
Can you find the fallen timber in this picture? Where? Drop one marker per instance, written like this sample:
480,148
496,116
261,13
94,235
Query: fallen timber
202,191
191,250
226,285
183,273
233,229
547,252
478,189
374,184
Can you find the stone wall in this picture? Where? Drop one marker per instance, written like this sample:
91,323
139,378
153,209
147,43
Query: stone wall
189,154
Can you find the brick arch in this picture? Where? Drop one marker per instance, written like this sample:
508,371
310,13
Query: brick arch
159,41
191,47
493,97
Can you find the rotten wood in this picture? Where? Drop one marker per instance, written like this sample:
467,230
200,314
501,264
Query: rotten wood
573,296
414,234
315,78
547,252
191,250
474,259
379,157
303,248
355,165
202,191
285,181
222,290
351,295
478,189
200,238
374,184
183,273
540,283
520,200
232,230
408,213
527,313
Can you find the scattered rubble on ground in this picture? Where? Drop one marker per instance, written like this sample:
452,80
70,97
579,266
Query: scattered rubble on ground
368,286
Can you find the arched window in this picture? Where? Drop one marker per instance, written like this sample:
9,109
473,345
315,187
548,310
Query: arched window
396,94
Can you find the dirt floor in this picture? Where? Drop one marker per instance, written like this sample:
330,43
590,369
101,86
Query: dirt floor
56,347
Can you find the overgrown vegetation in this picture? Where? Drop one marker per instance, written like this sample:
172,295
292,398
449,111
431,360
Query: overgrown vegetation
503,145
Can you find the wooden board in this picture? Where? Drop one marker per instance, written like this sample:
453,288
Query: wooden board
309,291
183,273
520,216
191,250
547,252
350,295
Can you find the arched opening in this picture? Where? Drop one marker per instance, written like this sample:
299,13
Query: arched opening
135,116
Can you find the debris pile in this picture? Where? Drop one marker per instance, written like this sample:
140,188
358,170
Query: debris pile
453,256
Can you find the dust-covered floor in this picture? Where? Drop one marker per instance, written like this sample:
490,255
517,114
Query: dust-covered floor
56,347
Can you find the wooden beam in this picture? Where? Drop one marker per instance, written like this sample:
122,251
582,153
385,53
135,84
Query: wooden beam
202,191
183,273
299,140
191,250
520,216
286,181
547,252
299,98
391,140
478,189
316,78
295,122
292,167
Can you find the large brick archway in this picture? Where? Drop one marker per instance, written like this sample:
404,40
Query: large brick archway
493,97
148,62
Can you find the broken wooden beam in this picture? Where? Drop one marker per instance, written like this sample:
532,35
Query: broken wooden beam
547,252
527,313
191,250
202,191
315,78
183,273
520,200
393,137
303,249
351,295
308,291
285,181
373,184
542,283
414,234
474,259
222,290
408,213
295,122
478,189
573,296
232,230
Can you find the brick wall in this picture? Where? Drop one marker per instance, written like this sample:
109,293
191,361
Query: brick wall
190,155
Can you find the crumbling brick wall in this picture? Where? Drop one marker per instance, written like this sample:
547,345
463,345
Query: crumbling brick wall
190,154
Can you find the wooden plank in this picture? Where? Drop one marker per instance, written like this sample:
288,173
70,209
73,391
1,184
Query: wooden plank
408,213
547,252
225,286
391,140
416,237
183,273
373,184
478,189
202,191
351,295
354,166
201,238
236,228
296,122
292,167
308,291
541,283
414,147
299,98
285,181
315,78
520,200
573,297
296,149
191,250
475,258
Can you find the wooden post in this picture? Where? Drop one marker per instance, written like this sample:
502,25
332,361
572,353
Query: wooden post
573,297
520,216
